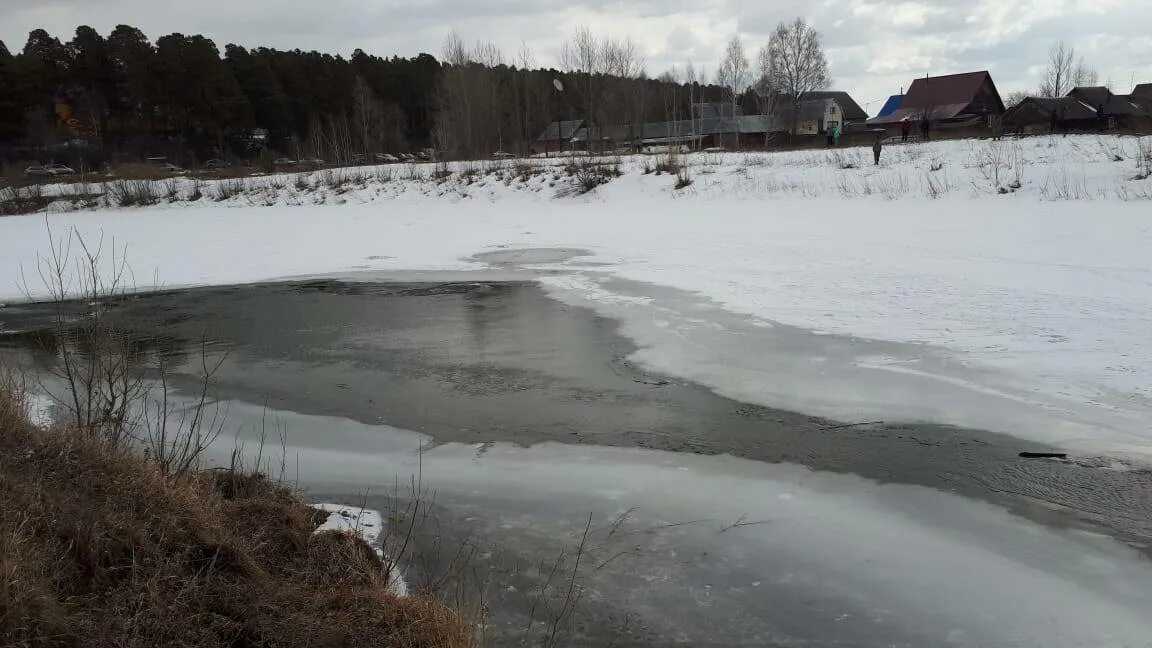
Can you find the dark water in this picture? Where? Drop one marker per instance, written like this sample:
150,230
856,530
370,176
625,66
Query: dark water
501,362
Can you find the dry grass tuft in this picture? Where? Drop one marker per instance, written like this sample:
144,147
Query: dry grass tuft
98,547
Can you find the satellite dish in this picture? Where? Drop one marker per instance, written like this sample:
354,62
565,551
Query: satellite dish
558,84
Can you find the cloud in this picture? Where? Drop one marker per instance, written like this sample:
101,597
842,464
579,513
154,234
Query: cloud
875,47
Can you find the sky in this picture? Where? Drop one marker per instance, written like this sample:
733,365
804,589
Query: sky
874,47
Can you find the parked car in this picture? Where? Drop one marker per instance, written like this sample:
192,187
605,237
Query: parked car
216,165
386,158
407,157
424,155
502,154
313,162
168,167
49,170
283,161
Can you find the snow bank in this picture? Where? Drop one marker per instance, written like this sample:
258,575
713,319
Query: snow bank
1076,168
369,525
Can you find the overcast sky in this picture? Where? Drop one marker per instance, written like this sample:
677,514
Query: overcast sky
874,46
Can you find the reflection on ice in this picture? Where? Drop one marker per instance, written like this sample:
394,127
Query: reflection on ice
832,558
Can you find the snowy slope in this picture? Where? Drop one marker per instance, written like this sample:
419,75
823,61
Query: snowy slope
1050,282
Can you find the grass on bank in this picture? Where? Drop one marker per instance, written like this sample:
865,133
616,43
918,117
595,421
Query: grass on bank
98,547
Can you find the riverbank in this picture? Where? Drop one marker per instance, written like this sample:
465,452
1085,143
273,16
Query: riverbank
99,547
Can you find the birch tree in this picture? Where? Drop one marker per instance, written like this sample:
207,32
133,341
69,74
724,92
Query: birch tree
793,61
734,72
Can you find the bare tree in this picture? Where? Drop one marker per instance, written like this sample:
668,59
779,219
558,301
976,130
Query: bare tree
471,106
793,61
366,113
1014,98
600,73
770,104
526,94
1064,71
734,72
581,58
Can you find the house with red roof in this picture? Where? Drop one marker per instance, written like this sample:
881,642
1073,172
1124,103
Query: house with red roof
951,101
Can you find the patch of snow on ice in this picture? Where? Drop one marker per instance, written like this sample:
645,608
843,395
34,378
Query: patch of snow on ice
369,525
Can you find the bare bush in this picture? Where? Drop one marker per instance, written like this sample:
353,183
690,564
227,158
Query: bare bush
131,193
936,184
172,190
587,175
100,375
1061,185
22,200
1143,158
1128,194
1001,165
845,160
226,189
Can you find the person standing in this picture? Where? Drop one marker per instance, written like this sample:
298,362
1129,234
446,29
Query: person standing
836,135
876,149
828,134
924,128
905,130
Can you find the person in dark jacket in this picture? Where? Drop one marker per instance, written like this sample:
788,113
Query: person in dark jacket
924,128
876,148
905,130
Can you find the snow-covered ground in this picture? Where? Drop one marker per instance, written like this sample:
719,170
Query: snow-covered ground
1046,285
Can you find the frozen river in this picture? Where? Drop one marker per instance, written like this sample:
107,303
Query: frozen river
713,518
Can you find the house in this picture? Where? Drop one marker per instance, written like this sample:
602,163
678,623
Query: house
894,103
706,129
1040,114
820,111
817,116
953,101
715,110
850,111
1118,110
1142,97
558,136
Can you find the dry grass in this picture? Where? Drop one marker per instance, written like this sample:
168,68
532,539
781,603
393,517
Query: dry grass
99,548
22,199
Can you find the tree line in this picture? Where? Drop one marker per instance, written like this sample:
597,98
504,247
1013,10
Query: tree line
182,97
133,96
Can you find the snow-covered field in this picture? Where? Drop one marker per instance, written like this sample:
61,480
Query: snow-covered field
1026,258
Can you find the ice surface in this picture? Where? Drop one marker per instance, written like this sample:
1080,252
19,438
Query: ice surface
831,558
1047,297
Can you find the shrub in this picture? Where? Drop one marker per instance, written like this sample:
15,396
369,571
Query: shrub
22,200
131,193
225,189
585,175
